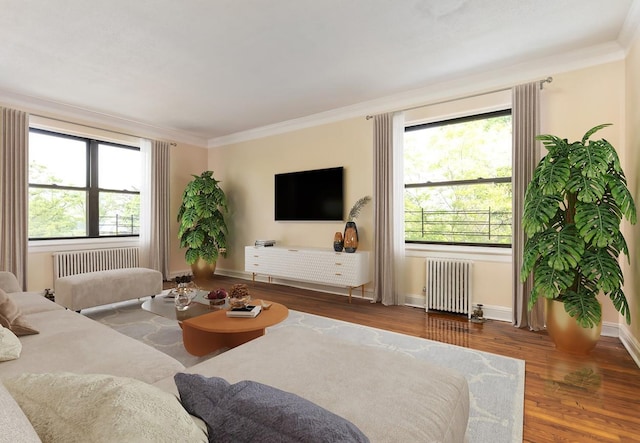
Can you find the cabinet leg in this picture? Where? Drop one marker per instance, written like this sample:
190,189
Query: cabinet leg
350,288
362,288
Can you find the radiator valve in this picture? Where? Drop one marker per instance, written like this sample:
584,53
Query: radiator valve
48,293
478,316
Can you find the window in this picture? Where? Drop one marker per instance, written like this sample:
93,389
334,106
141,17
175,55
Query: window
79,187
458,181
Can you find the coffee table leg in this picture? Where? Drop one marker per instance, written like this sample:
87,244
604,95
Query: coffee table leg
200,343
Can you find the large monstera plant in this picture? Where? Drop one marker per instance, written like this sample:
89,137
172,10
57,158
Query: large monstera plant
203,230
573,209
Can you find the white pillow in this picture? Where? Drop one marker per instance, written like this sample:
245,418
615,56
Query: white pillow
67,407
10,346
14,425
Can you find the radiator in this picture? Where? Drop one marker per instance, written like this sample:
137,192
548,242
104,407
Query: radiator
449,285
79,262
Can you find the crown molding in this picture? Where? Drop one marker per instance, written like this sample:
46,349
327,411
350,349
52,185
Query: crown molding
57,110
630,31
465,85
471,84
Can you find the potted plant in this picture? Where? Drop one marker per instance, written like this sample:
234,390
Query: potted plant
573,209
203,230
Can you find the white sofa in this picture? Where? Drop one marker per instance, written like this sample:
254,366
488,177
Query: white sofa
388,396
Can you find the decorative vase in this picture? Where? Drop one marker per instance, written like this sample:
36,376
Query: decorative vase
350,237
338,242
239,296
566,333
183,295
203,271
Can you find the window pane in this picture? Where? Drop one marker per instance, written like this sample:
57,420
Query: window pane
445,162
119,214
459,214
119,168
459,151
57,213
57,160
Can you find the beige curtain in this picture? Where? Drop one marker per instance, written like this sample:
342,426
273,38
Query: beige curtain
154,211
526,154
14,192
388,134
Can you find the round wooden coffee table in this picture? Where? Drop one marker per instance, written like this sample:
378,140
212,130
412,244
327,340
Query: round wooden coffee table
209,332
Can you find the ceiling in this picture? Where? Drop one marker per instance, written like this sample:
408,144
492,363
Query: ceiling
208,69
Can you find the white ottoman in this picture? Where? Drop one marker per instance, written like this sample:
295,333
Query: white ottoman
91,289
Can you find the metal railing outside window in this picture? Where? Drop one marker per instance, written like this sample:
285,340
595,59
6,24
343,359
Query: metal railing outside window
469,226
119,225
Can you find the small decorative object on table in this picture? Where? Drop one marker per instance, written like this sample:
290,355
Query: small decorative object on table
338,243
239,296
249,311
184,292
217,297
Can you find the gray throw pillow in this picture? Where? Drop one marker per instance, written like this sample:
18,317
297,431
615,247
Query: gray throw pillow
248,411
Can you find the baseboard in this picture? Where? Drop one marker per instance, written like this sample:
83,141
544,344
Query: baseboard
631,344
610,329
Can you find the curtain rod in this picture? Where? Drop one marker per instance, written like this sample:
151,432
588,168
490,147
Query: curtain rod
92,127
542,82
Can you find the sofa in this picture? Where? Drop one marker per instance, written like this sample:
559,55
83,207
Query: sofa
74,375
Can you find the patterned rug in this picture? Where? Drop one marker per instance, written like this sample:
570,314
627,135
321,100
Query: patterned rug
496,383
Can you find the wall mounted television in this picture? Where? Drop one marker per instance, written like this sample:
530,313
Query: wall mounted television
315,195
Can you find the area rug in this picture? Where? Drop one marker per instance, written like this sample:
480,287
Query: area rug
496,383
130,319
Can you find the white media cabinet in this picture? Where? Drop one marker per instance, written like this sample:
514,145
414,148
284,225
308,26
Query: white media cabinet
350,270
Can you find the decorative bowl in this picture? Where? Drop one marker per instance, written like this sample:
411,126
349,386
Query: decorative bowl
239,302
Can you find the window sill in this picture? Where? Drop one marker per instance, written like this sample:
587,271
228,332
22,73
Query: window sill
460,252
77,244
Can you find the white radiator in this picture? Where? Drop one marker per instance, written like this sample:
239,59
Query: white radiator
449,285
79,262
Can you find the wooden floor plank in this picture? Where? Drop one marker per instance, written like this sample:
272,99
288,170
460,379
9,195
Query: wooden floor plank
567,398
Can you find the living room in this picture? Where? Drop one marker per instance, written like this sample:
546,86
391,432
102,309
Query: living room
589,87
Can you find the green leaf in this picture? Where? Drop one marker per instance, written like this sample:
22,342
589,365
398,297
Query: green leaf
586,190
189,218
555,145
592,131
621,195
590,159
539,210
618,246
530,256
191,256
583,306
562,249
600,267
195,238
550,282
598,223
620,302
194,188
553,175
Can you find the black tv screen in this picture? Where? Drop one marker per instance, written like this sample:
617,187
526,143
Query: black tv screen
315,195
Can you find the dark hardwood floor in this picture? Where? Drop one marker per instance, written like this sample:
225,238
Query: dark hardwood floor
567,398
